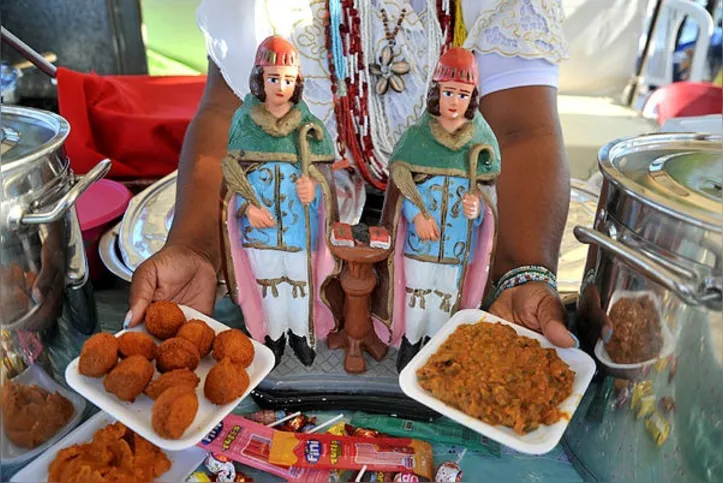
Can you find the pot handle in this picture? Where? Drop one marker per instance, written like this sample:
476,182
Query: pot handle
63,204
690,291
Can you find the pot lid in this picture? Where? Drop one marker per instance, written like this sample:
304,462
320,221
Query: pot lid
31,158
29,133
681,174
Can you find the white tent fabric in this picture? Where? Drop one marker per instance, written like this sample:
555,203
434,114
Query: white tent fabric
603,39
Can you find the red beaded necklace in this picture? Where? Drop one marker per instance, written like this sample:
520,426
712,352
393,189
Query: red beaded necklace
351,95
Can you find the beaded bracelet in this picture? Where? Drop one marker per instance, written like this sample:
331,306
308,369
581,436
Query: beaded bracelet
522,275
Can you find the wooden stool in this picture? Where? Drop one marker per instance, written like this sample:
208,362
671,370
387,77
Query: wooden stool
358,281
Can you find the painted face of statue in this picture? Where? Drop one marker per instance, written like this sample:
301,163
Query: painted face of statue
279,84
454,99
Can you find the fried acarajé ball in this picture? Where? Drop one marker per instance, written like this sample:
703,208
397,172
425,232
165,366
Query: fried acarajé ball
137,343
179,377
98,355
129,378
199,333
177,353
235,345
225,382
163,319
174,411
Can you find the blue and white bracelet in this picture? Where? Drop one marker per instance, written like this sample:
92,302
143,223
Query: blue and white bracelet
522,275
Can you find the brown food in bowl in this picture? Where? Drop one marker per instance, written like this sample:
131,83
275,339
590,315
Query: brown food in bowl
225,382
235,345
490,373
32,415
99,355
137,343
199,333
163,319
179,377
129,378
637,331
177,353
174,411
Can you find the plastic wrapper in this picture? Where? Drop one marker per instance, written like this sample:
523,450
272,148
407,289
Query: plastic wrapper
298,424
247,442
623,393
348,452
667,405
220,467
658,428
640,390
646,406
442,431
266,416
448,471
661,364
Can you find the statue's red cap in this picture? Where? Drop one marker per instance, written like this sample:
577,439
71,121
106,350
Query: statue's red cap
457,65
276,50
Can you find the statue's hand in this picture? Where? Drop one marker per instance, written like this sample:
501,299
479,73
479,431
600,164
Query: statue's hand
427,228
306,189
471,204
259,217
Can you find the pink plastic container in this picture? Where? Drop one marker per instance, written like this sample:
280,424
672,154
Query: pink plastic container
102,205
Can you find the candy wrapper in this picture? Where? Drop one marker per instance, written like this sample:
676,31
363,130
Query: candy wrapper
298,424
646,406
442,431
245,441
449,471
348,452
266,416
658,428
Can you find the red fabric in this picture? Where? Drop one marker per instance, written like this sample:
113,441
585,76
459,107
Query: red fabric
137,121
684,99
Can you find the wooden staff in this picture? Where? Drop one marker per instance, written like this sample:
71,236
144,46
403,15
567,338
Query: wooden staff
472,163
305,158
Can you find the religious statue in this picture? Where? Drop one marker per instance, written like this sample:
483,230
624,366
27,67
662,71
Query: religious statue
279,207
440,209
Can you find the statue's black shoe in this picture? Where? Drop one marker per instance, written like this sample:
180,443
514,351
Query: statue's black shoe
277,347
406,353
302,349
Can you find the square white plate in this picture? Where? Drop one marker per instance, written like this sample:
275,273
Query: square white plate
183,463
540,441
137,415
35,375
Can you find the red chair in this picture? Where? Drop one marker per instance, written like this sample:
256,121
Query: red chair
684,99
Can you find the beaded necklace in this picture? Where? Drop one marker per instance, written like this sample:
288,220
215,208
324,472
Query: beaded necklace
361,123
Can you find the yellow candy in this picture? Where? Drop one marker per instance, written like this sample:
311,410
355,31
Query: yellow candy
640,390
338,429
646,407
658,428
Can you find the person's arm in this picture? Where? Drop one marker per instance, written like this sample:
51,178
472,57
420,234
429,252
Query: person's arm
185,269
533,189
533,193
195,222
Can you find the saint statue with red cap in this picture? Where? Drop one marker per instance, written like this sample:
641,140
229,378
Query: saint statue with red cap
440,207
279,207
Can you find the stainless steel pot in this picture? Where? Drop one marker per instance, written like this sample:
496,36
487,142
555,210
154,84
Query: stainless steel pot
657,233
47,307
